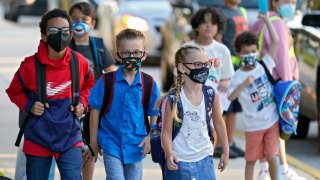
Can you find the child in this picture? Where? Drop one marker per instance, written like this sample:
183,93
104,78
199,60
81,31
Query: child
206,23
53,129
192,146
254,91
236,22
121,132
93,49
286,64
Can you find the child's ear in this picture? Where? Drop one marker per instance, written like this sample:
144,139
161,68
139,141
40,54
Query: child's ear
44,37
181,68
144,56
116,56
93,23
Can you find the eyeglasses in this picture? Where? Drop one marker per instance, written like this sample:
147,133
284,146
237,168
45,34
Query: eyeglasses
56,30
126,54
199,65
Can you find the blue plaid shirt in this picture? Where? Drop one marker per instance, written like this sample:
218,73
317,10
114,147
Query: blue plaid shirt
122,129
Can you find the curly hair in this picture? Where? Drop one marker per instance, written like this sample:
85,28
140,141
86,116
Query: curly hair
246,38
54,13
85,9
216,18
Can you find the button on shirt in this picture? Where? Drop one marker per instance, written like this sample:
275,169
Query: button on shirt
122,129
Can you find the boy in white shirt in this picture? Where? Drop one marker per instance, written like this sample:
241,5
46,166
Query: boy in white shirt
254,91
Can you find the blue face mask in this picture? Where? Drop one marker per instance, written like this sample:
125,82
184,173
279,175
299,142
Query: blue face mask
287,11
80,29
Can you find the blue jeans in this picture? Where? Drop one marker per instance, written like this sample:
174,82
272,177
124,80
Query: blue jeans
69,164
200,170
116,170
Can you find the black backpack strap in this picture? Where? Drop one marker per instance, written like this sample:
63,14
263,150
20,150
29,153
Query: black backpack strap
270,77
147,86
41,86
75,80
109,79
209,97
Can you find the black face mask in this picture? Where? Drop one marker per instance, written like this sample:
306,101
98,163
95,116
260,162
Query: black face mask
198,75
59,41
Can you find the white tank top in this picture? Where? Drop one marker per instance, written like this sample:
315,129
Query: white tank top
192,142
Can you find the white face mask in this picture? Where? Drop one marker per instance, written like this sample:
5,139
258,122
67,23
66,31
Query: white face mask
249,59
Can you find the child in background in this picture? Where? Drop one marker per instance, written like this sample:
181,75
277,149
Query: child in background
93,49
252,87
189,153
206,23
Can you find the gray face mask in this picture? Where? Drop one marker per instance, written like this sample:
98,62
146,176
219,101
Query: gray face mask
249,60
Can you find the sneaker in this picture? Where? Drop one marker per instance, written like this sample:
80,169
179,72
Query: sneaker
291,175
264,175
218,151
238,151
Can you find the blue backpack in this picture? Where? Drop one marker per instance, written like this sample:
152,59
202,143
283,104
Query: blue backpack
157,152
287,98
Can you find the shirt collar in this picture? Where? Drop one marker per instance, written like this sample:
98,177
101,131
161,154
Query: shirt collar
120,76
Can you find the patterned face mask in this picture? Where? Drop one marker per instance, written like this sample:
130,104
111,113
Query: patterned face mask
131,63
198,75
249,60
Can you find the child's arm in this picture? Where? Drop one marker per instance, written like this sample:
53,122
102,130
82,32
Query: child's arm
220,128
93,129
274,36
166,137
238,90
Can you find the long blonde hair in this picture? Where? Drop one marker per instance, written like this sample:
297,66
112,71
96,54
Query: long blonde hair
180,57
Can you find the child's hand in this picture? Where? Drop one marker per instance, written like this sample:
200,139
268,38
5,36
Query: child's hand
223,85
265,17
147,147
78,110
223,161
171,162
38,108
87,156
249,81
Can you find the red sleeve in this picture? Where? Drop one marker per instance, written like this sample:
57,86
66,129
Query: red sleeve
87,80
19,87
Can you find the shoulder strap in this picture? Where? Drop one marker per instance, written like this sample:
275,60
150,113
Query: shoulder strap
109,79
271,79
75,84
244,12
147,86
176,126
94,48
41,80
209,97
41,86
261,35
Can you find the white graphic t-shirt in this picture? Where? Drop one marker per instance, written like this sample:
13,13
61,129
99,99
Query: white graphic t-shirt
257,100
192,142
222,67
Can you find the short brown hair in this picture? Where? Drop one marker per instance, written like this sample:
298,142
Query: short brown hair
85,9
129,34
245,39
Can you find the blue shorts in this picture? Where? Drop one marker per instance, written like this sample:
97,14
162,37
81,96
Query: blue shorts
200,170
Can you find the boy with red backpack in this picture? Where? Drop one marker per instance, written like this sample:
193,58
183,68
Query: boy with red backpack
121,102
